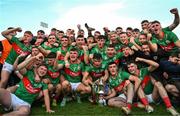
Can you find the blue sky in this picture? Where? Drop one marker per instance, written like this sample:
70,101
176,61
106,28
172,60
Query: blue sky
64,14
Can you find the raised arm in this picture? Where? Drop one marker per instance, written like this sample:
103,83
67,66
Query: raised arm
45,52
7,32
152,65
86,54
27,61
176,19
56,65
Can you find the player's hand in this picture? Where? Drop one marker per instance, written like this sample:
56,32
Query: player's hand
149,36
166,76
174,11
79,26
40,56
138,59
50,111
73,43
58,53
56,44
22,55
132,40
145,31
106,29
85,48
67,64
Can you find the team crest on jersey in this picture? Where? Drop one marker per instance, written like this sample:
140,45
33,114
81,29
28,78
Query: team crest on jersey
78,68
167,41
155,57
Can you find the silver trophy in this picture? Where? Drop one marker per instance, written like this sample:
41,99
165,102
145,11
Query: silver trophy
101,100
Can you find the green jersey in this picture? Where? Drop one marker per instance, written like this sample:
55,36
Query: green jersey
167,43
74,72
96,72
17,49
146,81
28,89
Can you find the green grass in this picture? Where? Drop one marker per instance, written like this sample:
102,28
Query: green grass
87,109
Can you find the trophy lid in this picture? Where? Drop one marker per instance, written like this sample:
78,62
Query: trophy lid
101,92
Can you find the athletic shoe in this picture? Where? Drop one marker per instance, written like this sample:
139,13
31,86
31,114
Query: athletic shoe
89,28
126,110
173,111
78,99
63,102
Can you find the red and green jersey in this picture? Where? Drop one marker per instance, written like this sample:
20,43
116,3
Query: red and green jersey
96,72
167,43
118,81
74,72
17,49
146,81
53,75
115,59
28,89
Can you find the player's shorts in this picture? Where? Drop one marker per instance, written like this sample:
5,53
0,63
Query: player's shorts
122,96
7,67
74,85
149,98
16,102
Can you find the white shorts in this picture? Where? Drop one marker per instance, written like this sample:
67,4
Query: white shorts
149,98
7,67
122,96
74,85
16,102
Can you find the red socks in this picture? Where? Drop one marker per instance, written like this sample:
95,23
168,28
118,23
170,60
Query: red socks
144,101
167,102
129,105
